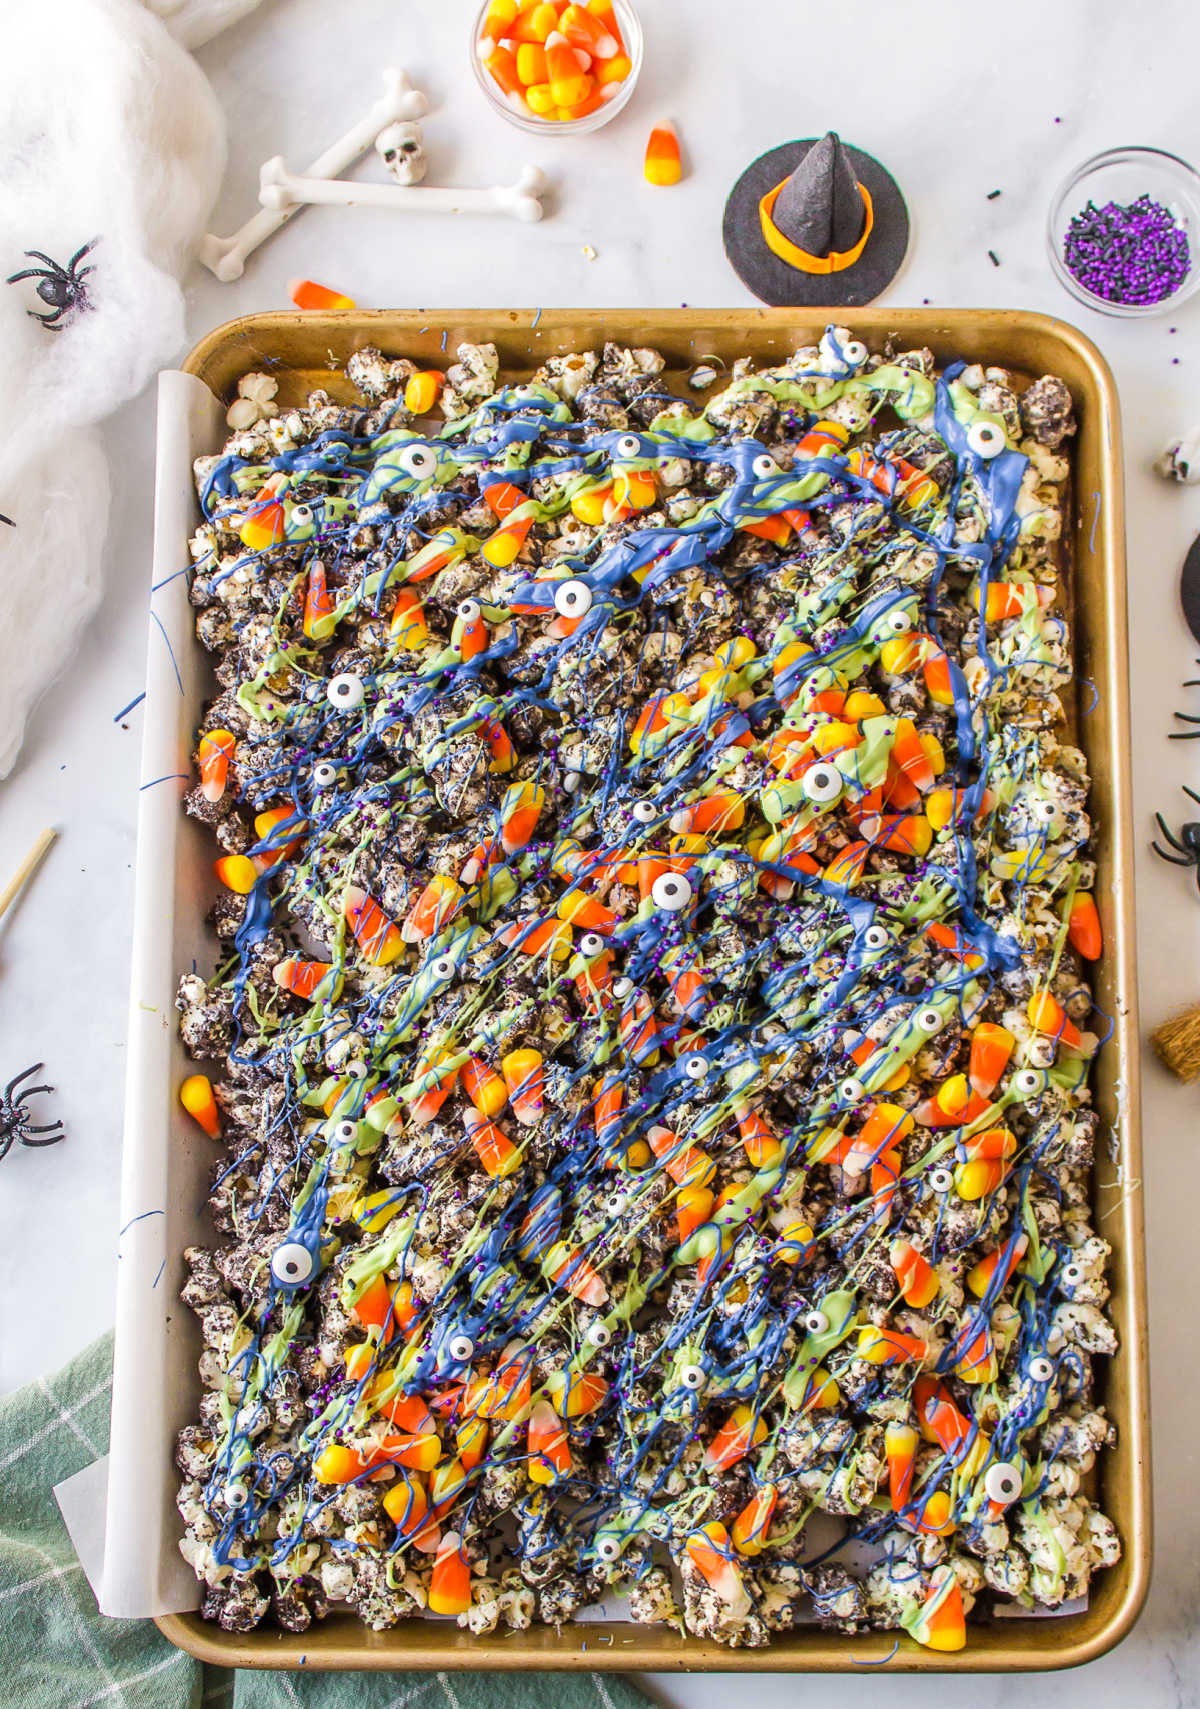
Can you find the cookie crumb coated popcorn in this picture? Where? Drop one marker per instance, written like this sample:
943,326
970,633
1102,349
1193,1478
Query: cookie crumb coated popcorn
648,1071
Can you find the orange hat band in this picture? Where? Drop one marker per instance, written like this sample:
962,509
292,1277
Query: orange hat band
787,251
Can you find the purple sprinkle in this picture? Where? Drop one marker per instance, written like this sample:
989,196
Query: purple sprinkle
1133,254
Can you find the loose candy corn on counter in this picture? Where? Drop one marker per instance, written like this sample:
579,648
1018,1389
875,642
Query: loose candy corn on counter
650,1059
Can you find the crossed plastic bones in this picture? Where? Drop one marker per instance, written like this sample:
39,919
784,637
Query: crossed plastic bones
282,192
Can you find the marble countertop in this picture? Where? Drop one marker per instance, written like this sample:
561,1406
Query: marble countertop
956,105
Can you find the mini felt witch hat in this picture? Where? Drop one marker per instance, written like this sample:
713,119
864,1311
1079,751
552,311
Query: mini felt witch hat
816,223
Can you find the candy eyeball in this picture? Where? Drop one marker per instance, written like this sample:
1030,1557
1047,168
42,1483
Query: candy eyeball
671,892
1002,1483
692,1376
628,445
344,1133
345,691
985,439
875,938
301,515
621,988
236,1495
607,1547
591,943
816,1322
524,392
324,775
940,1179
1071,1274
822,784
572,598
851,1091
695,1065
460,1348
765,466
441,969
854,353
470,610
644,811
928,1020
291,1264
418,460
898,621
1041,1369
1028,1082
598,1334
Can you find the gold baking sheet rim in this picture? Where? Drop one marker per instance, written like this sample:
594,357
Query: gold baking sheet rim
302,351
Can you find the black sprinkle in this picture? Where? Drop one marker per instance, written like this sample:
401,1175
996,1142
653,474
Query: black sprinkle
993,258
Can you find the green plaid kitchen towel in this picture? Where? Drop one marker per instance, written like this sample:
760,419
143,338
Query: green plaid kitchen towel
58,1652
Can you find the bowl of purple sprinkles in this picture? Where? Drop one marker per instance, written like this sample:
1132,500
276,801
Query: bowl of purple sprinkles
1124,231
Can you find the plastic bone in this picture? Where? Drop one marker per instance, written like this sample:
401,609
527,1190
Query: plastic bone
282,190
400,102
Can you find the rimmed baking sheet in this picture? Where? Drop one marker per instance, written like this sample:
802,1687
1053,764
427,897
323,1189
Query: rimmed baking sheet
166,1159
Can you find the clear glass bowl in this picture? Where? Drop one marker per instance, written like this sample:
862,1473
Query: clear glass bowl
1122,175
524,119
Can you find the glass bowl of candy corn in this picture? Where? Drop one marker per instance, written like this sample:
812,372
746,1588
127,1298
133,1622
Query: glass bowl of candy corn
557,65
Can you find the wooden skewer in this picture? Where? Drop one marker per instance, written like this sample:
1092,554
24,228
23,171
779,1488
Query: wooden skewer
26,870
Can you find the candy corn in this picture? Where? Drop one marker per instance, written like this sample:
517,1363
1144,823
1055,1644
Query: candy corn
549,1451
742,1430
495,1151
1083,928
237,873
522,1070
318,981
991,1047
307,294
890,1346
693,1207
196,1096
574,1394
539,1230
265,523
214,754
749,1533
378,937
484,1087
421,392
568,1267
662,164
568,84
939,1623
450,1586
900,1444
710,1552
433,910
919,1282
1047,1015
583,29
993,1271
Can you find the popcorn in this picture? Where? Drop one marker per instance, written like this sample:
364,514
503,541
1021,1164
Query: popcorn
623,931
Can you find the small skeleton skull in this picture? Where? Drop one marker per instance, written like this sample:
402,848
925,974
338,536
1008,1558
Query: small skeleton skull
1181,459
402,151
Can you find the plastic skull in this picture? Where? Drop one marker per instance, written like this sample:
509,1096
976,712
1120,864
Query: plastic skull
402,150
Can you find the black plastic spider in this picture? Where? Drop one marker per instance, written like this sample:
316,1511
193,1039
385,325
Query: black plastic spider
14,1117
61,287
1187,842
1186,718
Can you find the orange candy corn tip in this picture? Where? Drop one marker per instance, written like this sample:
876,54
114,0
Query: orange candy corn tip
663,165
308,294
